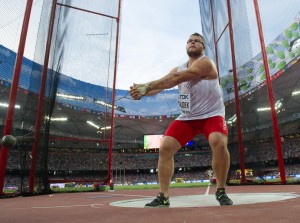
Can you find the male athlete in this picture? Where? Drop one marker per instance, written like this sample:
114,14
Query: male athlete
202,112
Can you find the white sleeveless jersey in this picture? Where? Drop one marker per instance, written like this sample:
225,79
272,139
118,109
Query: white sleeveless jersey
200,99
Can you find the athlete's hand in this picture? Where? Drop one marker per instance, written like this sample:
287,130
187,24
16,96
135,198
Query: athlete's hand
137,91
134,92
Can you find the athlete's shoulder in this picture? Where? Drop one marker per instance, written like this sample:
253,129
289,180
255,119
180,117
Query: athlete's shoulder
207,67
204,58
181,67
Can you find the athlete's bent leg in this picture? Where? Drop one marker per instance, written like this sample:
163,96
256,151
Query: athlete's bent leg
220,164
167,150
220,157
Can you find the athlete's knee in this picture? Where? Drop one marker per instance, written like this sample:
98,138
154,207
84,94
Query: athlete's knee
166,151
218,141
169,146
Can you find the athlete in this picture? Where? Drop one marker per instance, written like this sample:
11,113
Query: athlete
202,112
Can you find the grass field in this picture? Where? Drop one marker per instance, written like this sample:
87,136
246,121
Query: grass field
128,187
80,188
156,186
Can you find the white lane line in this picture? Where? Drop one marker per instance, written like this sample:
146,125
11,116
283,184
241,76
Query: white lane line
91,205
64,206
207,190
133,195
97,205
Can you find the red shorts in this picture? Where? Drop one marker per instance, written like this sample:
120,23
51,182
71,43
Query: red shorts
185,131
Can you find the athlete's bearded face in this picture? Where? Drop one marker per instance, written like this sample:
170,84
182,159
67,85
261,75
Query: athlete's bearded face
195,46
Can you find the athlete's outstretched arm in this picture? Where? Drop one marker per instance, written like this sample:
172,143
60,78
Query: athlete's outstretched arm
204,68
135,93
137,96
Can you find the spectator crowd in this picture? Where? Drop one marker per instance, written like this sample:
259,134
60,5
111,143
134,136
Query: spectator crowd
132,168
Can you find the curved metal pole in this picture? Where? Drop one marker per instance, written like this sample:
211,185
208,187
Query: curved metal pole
236,94
214,33
41,100
271,96
13,91
113,98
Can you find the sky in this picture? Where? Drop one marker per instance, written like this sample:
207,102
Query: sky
153,38
153,35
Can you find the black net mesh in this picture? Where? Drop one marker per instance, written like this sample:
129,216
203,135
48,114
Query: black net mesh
281,33
75,109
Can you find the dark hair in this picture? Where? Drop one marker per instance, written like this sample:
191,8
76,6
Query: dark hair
203,40
198,34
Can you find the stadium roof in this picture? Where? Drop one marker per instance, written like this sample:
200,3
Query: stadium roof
130,130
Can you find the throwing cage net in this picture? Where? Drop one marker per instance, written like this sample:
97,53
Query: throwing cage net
64,94
262,116
57,78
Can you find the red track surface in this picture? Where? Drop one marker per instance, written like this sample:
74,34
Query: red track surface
94,207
